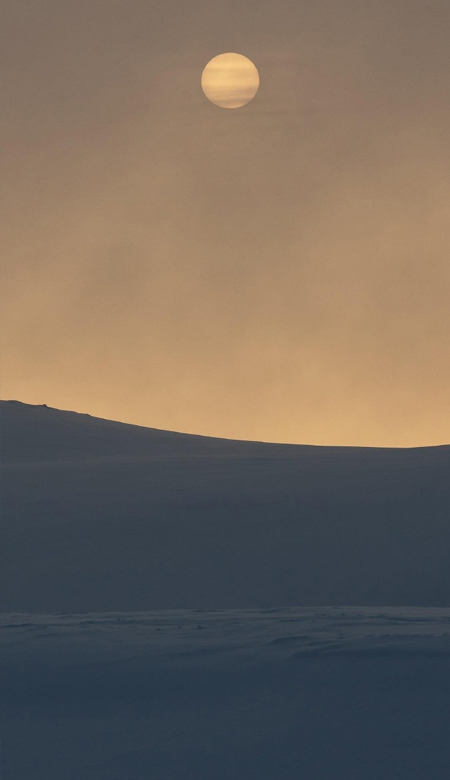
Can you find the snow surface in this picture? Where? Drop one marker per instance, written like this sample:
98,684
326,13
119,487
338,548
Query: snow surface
103,516
228,678
278,694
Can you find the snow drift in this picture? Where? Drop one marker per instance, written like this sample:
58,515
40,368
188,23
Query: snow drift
328,694
104,516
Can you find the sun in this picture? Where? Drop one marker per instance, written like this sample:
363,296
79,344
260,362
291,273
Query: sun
230,80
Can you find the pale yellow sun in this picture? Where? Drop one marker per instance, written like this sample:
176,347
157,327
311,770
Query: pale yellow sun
230,80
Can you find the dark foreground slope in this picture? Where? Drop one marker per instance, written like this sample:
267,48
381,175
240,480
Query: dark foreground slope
101,516
319,694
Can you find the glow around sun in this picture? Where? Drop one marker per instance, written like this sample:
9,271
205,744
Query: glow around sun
230,80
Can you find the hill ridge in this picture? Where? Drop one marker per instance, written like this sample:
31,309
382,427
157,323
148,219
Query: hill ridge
105,516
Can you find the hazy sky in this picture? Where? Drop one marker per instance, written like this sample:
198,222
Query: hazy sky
279,271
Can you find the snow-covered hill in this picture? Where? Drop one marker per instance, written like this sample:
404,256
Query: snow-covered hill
103,516
100,517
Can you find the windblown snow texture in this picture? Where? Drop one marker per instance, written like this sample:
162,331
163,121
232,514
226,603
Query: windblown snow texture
328,694
103,516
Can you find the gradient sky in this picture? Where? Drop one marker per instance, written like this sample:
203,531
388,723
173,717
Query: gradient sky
277,272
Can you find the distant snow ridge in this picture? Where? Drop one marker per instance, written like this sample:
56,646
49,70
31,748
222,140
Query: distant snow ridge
102,516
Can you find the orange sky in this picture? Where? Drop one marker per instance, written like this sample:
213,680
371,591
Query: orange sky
277,272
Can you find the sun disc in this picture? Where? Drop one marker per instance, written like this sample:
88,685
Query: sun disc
230,80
